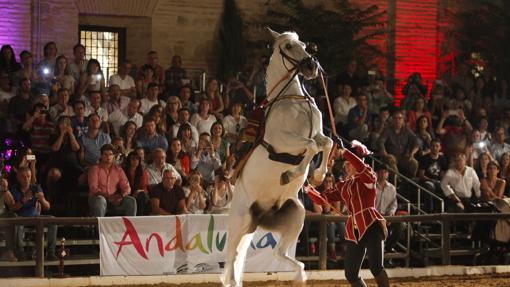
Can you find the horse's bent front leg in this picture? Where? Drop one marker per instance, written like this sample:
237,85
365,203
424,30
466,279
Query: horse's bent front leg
311,150
326,144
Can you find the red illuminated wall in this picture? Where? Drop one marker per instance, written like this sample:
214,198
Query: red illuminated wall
416,41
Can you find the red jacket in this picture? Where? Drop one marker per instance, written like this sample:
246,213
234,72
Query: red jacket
358,194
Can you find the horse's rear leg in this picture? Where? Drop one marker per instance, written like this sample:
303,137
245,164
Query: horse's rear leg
240,234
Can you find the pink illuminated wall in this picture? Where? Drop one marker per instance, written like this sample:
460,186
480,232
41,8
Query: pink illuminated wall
16,25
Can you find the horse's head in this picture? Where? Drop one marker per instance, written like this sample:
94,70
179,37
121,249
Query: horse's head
293,54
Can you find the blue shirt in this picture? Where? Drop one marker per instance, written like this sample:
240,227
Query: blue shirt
92,147
149,144
29,208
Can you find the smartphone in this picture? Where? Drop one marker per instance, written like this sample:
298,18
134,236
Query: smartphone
30,157
371,73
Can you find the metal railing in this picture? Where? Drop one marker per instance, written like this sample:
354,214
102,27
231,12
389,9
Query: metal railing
446,219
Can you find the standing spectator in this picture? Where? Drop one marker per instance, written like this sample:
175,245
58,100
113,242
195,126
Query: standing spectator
20,105
386,204
138,181
350,77
28,198
7,90
237,91
492,187
359,119
79,120
109,187
458,184
398,146
151,140
91,81
203,120
92,141
131,113
195,194
27,67
454,132
205,159
159,73
158,166
40,127
142,83
152,98
175,76
116,101
167,198
220,192
432,167
342,105
62,76
79,64
50,54
234,123
8,61
124,81
499,146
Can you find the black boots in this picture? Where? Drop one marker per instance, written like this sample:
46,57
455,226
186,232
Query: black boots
382,279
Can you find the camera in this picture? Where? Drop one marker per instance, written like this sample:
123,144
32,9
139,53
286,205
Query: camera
371,73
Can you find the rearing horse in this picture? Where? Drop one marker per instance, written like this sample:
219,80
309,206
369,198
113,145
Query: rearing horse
266,191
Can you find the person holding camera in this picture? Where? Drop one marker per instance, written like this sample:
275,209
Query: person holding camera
221,192
29,201
40,127
195,194
205,159
91,81
6,199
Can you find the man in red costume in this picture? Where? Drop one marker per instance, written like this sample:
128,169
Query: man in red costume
365,228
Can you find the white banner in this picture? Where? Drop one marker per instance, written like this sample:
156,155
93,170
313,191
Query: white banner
156,245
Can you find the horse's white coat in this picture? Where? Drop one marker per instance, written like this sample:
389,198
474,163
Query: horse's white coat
288,128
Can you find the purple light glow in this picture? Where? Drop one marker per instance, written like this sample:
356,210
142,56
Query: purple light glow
15,25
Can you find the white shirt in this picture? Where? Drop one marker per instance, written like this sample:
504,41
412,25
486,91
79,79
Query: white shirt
147,104
203,126
454,182
125,84
56,111
497,149
119,117
177,125
103,113
230,124
156,176
342,108
386,198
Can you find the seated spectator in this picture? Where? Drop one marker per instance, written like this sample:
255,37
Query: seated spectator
116,101
335,229
455,131
167,198
212,92
94,107
20,105
131,113
178,158
8,90
220,192
432,167
185,94
144,78
458,184
237,91
64,167
482,165
92,141
150,139
173,106
158,166
219,142
498,145
91,81
203,120
6,199
184,115
398,145
386,204
157,113
343,104
141,153
478,146
152,99
138,181
24,158
492,186
378,97
79,121
185,135
27,67
29,200
424,135
61,75
109,188
40,127
205,159
234,123
416,112
119,154
175,76
153,63
124,81
483,127
359,119
62,107
78,65
379,124
128,133
195,194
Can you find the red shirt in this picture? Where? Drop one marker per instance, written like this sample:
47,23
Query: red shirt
358,194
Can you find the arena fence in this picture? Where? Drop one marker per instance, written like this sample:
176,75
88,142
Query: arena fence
446,220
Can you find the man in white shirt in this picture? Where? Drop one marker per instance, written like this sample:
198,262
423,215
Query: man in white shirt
95,106
125,82
116,101
152,98
156,169
499,146
79,65
458,184
119,117
386,204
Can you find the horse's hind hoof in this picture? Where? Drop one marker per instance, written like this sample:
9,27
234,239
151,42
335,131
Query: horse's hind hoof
285,178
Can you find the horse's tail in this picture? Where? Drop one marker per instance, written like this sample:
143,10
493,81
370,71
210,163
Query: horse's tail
273,217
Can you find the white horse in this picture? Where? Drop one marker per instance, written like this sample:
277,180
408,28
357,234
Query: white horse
266,191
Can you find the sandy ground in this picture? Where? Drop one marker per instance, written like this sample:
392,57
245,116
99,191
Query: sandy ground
486,280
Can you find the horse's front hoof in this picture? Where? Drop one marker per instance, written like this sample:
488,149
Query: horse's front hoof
285,178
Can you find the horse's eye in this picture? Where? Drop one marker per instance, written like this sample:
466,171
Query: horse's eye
288,46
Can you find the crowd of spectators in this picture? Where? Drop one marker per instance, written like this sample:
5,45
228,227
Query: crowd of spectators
144,142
